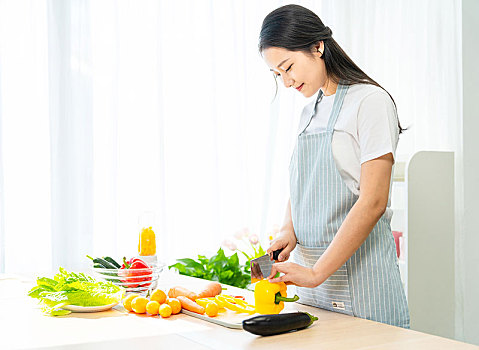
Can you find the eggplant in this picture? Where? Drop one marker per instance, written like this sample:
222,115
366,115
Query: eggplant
277,324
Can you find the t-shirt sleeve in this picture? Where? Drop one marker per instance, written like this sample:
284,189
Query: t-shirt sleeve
378,130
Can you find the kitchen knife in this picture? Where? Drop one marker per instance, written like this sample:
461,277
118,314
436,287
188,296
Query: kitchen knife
261,267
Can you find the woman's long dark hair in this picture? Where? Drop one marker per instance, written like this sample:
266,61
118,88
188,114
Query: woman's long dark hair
295,28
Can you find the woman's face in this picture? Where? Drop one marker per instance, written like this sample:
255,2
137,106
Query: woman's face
304,72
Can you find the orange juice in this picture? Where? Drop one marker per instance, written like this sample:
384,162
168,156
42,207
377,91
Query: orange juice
147,242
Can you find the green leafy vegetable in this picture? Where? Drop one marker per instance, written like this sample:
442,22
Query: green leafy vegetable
69,288
219,267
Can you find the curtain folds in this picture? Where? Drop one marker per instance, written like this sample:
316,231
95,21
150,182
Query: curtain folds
26,241
71,131
112,108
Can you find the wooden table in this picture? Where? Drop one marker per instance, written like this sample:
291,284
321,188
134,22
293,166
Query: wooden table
23,326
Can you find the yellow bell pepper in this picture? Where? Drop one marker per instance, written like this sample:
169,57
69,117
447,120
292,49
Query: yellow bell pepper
234,304
270,297
204,301
147,243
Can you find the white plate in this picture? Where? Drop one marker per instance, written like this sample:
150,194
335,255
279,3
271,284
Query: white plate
76,308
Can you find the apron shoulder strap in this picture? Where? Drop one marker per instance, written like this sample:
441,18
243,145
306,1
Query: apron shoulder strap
305,123
338,103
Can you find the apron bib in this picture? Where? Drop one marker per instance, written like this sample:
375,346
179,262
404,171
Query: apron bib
368,285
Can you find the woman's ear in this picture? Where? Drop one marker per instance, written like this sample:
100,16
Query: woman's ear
319,48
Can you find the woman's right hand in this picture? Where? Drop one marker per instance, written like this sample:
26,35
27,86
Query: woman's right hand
286,241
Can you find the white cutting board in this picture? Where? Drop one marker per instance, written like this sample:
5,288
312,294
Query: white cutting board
233,319
229,319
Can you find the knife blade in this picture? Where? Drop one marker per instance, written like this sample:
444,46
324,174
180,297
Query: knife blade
261,267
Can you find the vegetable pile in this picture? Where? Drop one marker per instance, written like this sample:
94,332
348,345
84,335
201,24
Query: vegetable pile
69,288
178,297
219,267
155,304
135,272
131,274
209,301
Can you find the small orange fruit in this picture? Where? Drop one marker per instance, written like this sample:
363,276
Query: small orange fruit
139,305
152,307
128,299
175,305
159,296
211,309
165,310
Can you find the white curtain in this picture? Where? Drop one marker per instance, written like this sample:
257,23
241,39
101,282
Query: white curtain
26,241
413,49
112,108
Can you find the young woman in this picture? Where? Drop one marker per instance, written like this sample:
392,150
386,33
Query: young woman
338,218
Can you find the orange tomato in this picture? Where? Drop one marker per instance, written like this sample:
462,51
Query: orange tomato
159,296
165,310
152,307
128,299
212,309
175,305
139,305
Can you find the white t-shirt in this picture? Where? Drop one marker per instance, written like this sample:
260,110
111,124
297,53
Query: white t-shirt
367,128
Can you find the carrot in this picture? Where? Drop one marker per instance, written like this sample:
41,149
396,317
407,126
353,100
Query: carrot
181,291
212,289
190,305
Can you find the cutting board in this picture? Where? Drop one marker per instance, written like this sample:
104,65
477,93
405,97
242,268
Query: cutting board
233,319
229,319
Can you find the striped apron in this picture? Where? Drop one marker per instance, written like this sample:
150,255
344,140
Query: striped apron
368,285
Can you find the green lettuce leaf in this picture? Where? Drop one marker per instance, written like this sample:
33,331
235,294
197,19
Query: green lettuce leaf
69,288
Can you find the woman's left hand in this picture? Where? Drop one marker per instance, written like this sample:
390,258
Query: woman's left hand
293,274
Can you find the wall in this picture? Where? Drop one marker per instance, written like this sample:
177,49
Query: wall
470,280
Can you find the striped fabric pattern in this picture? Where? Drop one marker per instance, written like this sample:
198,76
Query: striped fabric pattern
368,285
334,289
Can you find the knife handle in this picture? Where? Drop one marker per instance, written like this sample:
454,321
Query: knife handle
276,254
